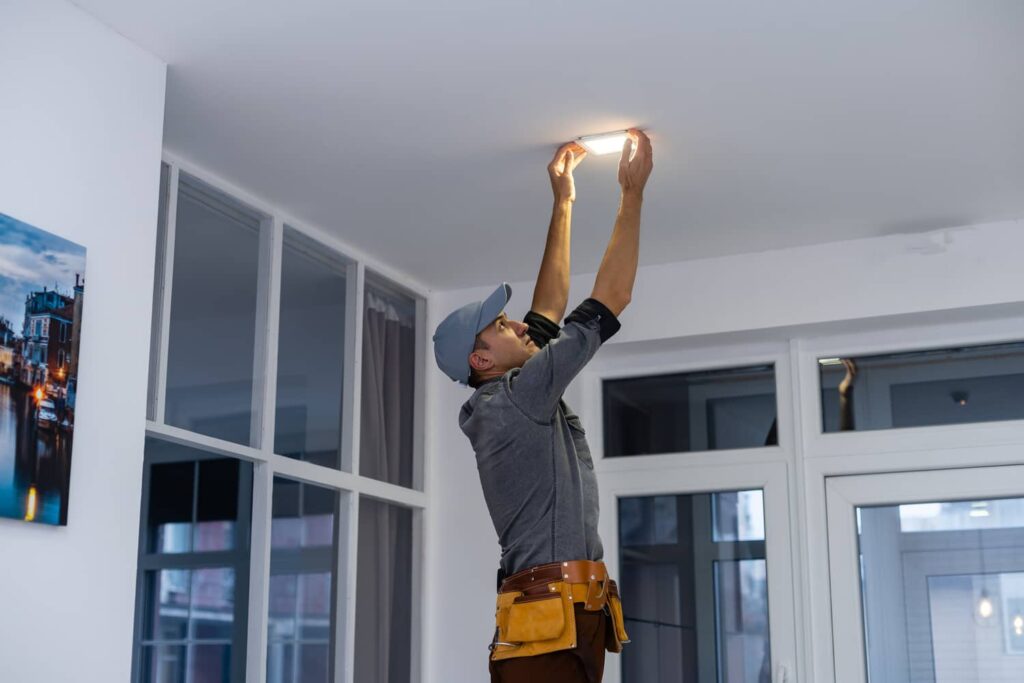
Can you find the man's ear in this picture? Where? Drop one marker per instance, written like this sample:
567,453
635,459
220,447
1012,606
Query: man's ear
479,362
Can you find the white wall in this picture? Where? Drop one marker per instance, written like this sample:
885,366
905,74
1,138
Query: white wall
733,299
81,120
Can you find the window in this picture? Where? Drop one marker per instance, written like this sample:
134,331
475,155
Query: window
947,604
212,343
695,572
193,566
384,593
693,411
389,384
923,388
256,345
301,637
310,357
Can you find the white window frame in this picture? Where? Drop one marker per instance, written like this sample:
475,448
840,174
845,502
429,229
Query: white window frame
809,456
769,468
846,493
772,478
917,451
266,463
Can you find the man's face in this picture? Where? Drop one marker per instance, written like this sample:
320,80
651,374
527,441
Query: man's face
509,346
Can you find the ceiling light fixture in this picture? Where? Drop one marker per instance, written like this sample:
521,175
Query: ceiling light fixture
604,143
830,361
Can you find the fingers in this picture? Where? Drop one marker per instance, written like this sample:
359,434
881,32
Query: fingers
560,152
627,152
557,163
644,151
567,158
580,152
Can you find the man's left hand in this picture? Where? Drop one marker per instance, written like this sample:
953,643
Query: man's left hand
567,158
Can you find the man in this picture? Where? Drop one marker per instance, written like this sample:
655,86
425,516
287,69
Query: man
558,609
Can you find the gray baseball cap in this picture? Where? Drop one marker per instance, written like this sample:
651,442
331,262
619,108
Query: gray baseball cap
455,336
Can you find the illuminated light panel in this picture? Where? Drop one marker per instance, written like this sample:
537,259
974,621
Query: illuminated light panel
830,361
604,143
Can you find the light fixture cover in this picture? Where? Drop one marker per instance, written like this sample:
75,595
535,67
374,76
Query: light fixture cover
604,143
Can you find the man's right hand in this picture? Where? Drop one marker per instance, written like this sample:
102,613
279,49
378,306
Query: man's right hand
636,163
567,158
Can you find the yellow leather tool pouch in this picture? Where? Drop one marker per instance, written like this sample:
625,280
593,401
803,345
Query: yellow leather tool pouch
531,625
617,636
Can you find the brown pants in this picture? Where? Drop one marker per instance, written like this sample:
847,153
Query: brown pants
582,664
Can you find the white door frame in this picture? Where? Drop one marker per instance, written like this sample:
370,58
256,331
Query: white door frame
845,493
773,479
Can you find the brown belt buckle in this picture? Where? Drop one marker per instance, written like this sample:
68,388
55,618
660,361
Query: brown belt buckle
596,594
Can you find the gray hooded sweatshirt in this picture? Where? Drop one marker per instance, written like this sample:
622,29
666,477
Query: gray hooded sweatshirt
531,450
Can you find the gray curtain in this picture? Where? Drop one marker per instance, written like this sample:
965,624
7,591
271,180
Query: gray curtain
384,579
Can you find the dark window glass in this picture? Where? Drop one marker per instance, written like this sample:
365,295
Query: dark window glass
194,566
303,582
739,515
171,493
193,505
389,383
923,388
163,664
384,593
211,348
693,411
697,605
311,352
216,504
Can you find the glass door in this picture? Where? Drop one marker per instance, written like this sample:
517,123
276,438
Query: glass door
703,557
927,576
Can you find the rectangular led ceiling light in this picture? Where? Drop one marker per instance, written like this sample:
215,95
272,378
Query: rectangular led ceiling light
605,143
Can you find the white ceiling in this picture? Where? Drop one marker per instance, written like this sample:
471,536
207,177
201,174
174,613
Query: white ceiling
419,131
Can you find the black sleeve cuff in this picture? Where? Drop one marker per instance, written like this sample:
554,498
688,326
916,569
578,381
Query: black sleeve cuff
592,309
541,329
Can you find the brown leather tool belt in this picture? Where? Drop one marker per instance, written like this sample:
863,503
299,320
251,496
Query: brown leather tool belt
536,608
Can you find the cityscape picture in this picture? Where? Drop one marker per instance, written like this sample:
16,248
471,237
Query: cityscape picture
42,284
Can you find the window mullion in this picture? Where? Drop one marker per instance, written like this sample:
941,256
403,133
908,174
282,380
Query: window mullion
345,598
162,331
259,574
268,315
416,630
351,396
419,455
140,576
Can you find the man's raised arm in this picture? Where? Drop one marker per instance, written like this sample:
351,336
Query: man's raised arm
613,286
552,290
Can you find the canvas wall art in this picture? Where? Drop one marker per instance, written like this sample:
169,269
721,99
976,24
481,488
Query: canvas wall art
42,286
